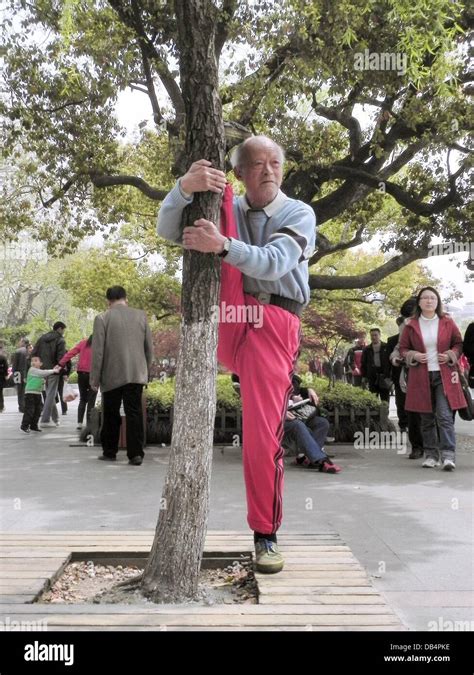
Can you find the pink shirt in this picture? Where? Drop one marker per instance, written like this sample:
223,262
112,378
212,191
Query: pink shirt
85,356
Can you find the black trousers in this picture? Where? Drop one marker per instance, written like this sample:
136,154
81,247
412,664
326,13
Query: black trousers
402,414
131,395
2,402
20,392
87,397
383,393
33,408
60,395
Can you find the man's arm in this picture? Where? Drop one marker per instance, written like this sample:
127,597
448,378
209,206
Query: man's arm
201,177
286,248
98,343
148,346
170,215
292,244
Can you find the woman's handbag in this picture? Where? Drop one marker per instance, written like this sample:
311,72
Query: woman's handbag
303,410
466,413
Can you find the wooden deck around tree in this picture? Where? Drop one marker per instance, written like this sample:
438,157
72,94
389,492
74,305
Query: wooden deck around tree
322,587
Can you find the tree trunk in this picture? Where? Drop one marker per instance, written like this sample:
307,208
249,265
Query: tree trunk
172,571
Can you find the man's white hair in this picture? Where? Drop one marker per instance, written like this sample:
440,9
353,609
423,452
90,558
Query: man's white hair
237,158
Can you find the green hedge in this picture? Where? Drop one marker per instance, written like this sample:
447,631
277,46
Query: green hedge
161,395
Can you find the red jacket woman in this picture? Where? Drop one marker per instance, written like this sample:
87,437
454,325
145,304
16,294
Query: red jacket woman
84,349
431,345
418,398
86,393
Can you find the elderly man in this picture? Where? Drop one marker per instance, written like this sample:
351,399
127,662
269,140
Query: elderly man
122,352
265,240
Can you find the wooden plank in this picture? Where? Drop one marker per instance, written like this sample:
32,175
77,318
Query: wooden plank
45,609
334,599
322,587
253,629
196,619
364,589
10,599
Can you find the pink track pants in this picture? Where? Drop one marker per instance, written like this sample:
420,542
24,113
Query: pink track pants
263,356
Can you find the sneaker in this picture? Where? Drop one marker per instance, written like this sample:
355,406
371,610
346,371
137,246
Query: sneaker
48,425
430,463
25,429
268,558
448,465
107,458
36,429
79,426
57,424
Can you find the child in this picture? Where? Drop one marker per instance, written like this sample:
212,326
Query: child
34,386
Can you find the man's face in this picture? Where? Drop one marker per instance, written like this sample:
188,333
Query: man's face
261,173
375,337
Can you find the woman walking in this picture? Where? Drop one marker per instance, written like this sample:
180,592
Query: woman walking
87,395
431,344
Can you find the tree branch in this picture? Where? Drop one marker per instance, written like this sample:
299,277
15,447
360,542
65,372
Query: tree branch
268,72
104,180
396,263
132,19
222,31
157,116
401,196
342,114
325,247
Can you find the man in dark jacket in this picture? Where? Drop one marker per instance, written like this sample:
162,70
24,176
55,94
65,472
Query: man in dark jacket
396,370
20,369
3,375
375,366
51,348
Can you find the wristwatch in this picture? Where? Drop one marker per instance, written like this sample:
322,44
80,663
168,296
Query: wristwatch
226,248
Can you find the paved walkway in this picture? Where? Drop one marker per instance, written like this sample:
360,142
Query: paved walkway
410,527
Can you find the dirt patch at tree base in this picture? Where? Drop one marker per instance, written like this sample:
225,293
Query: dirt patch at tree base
87,582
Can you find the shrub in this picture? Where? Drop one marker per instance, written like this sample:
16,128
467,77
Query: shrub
160,394
346,396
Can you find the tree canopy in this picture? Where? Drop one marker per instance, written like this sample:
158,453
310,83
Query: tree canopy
369,99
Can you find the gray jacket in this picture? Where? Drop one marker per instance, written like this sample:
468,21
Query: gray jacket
122,348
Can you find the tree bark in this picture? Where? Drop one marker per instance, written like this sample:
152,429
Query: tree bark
172,570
